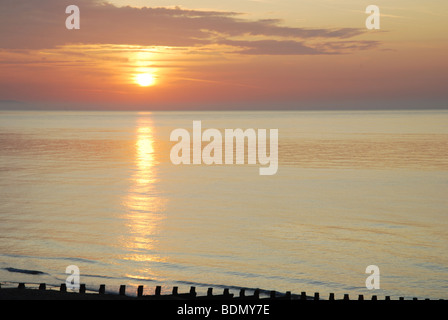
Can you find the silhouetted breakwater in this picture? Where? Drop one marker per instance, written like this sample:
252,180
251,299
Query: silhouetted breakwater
45,292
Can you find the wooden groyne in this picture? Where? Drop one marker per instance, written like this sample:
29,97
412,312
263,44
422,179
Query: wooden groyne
50,292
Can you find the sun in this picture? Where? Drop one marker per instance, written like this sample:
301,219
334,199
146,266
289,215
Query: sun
145,79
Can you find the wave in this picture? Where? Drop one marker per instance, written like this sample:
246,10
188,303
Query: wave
33,272
53,258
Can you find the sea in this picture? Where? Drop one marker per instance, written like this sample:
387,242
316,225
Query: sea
98,190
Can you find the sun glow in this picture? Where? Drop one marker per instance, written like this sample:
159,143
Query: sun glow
145,79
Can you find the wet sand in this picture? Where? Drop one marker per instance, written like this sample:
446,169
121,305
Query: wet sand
33,294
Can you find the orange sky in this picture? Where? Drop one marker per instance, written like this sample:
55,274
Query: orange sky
223,55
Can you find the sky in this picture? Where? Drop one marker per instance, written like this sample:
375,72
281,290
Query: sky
223,55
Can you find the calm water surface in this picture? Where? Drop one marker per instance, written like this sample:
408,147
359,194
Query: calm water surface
98,190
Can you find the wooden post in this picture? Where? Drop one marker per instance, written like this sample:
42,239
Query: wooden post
374,298
272,294
82,288
401,298
226,292
140,291
288,295
210,292
257,293
42,287
122,290
303,295
242,293
361,297
175,291
387,298
316,296
21,286
346,296
102,289
63,287
331,297
193,291
158,290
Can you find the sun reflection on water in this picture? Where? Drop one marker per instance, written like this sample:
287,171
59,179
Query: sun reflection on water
143,203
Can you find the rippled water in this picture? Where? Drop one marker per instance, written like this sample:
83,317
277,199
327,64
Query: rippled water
98,190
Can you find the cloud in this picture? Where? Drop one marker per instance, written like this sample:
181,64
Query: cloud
272,47
40,24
